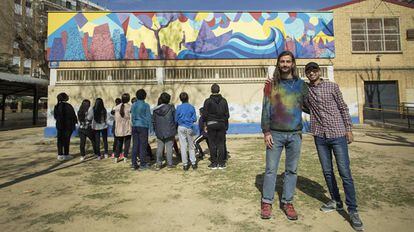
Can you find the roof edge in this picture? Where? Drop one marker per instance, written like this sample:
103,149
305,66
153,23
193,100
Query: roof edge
358,1
341,5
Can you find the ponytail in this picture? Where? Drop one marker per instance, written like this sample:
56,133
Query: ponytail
122,111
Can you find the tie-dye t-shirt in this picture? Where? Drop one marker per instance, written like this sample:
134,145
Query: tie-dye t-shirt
282,105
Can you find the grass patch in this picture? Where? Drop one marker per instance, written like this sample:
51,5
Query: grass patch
63,217
101,175
65,174
101,195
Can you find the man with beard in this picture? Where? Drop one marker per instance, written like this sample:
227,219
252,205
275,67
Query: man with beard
282,127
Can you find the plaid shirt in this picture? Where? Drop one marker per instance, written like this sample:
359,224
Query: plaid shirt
329,114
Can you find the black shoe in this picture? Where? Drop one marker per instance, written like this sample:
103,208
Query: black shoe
221,166
186,167
212,166
356,222
134,167
194,166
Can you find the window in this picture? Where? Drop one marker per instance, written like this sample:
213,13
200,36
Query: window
375,35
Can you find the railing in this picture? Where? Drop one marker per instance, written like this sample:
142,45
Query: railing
400,115
174,74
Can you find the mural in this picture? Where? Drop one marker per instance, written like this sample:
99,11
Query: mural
204,35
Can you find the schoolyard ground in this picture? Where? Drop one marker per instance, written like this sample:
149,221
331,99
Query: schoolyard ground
39,193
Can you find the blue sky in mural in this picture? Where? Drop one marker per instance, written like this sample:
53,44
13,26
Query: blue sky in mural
188,5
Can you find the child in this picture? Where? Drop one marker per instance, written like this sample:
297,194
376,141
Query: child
185,116
65,124
202,135
165,129
123,127
99,126
85,130
117,102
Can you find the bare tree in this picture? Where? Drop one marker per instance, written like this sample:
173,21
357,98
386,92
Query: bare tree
27,28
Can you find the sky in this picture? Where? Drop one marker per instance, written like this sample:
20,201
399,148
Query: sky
217,5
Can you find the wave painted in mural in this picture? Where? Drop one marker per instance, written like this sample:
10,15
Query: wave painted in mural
76,36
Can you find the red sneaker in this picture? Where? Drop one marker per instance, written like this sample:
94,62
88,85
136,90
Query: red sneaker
290,211
121,156
266,211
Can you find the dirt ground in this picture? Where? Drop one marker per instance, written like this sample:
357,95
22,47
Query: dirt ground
39,193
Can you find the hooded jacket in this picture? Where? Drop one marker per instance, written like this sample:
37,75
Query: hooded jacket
164,122
65,116
216,109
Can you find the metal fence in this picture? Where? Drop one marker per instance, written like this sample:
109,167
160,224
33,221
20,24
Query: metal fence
400,115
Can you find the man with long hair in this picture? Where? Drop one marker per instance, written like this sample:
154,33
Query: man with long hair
282,127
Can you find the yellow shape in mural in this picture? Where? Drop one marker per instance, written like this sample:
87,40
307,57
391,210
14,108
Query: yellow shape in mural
56,20
95,15
276,23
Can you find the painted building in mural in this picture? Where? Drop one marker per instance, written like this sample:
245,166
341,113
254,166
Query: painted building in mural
106,54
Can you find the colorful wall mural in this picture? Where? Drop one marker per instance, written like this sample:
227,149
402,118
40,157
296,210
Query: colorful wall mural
76,36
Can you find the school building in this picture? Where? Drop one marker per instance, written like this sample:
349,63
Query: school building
367,47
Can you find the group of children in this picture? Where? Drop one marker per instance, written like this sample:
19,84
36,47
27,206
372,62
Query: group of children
135,121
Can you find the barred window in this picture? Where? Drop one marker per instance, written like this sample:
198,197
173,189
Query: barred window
375,35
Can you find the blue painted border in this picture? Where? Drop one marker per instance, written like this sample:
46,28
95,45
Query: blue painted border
234,128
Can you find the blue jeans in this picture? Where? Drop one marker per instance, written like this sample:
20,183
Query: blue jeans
139,144
292,142
339,147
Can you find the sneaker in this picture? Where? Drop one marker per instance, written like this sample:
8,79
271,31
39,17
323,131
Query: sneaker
186,167
212,166
356,222
170,167
290,211
99,157
143,168
113,155
194,166
134,167
106,156
82,158
221,166
115,160
331,206
266,211
157,167
125,159
121,156
68,157
60,157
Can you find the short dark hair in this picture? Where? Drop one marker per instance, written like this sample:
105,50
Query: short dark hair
165,98
141,94
215,88
118,101
184,97
62,97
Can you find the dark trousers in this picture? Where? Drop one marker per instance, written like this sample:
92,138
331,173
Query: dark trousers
63,141
197,142
339,148
97,134
216,136
114,146
83,134
120,143
139,145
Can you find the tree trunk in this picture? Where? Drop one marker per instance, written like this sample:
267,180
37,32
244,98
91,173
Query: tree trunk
159,50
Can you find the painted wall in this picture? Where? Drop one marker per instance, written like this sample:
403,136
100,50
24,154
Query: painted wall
188,35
